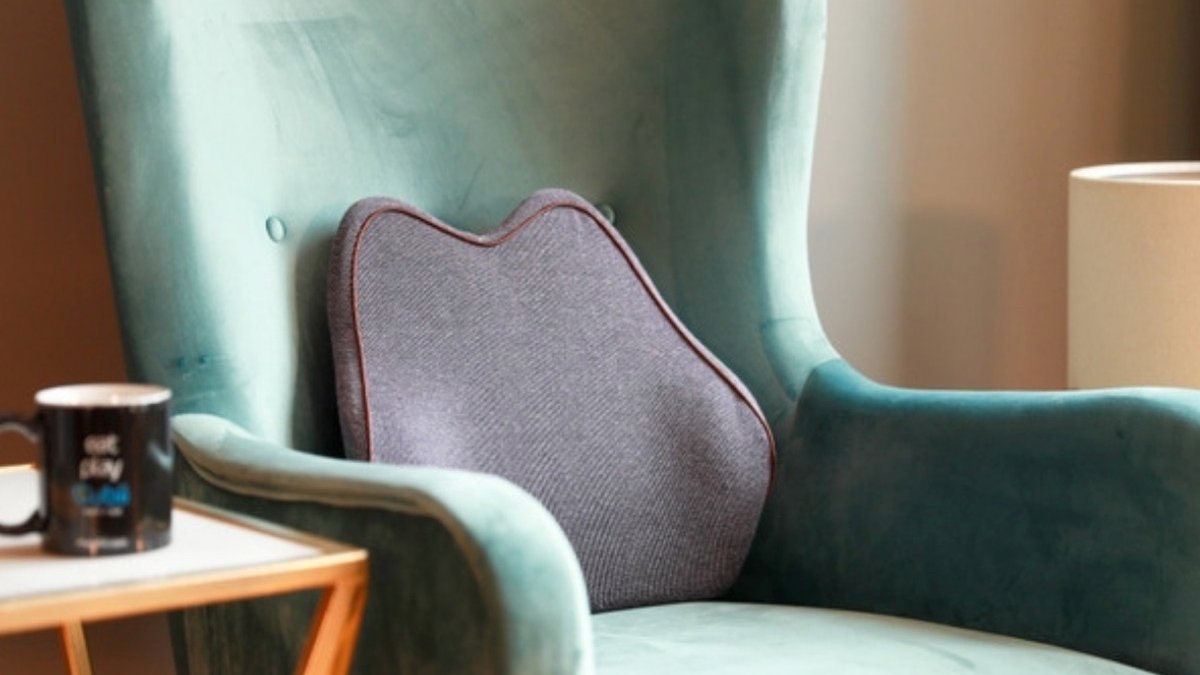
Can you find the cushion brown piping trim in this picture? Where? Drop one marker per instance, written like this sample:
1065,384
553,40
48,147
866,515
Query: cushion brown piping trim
485,242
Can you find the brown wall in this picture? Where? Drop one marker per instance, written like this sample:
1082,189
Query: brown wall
59,320
60,324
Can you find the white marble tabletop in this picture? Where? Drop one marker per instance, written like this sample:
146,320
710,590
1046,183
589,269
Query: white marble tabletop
198,544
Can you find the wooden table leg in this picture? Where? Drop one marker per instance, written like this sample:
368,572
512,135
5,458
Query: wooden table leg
334,632
74,645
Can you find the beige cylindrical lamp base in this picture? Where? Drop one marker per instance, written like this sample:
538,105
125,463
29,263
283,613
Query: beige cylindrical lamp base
1133,276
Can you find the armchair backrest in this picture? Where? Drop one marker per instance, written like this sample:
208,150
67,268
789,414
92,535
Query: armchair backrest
230,136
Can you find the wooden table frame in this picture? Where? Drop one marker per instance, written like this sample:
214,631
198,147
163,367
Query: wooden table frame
340,570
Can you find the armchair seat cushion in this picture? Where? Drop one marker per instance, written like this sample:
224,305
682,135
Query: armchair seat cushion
727,637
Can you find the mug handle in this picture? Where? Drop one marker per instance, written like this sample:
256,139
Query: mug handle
35,522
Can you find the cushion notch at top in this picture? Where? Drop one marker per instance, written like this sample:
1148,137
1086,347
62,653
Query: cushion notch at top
541,351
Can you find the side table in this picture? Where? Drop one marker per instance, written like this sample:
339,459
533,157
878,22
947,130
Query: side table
214,556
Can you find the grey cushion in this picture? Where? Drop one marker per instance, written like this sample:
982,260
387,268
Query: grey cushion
541,352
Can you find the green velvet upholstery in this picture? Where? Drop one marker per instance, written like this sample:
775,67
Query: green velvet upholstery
468,572
1065,517
711,638
229,136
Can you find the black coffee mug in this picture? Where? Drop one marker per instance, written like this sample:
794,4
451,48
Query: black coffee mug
106,464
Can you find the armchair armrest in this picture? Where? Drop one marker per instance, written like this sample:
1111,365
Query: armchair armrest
469,573
1071,518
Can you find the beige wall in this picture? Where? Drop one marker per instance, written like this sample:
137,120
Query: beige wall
947,131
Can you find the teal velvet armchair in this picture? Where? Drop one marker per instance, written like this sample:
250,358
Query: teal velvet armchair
230,135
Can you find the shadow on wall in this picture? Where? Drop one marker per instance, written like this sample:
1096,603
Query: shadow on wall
949,279
1002,100
1162,104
